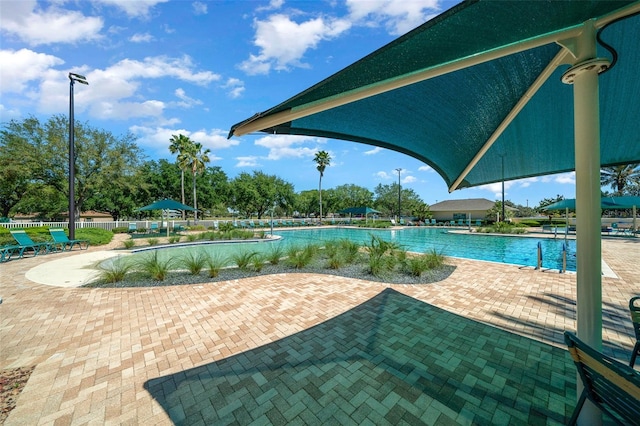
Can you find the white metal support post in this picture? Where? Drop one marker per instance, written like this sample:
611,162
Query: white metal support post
584,76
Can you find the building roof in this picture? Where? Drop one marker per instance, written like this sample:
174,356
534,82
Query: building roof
470,204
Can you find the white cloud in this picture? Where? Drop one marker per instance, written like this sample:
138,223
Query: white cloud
397,16
250,161
199,8
157,139
187,101
285,146
409,179
34,25
23,67
373,151
235,87
115,92
426,168
133,8
566,178
141,38
383,175
283,42
273,5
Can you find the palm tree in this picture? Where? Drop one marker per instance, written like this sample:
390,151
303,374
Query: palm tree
618,177
196,159
322,160
180,145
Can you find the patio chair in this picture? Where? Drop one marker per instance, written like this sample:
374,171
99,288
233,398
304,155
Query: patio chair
26,243
153,227
609,384
635,319
60,238
7,252
133,227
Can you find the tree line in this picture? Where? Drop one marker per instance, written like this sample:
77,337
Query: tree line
113,176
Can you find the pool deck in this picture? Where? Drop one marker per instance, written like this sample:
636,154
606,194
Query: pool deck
483,346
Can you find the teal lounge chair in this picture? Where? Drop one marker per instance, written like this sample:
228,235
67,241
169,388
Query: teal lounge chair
153,227
6,252
26,243
60,238
133,227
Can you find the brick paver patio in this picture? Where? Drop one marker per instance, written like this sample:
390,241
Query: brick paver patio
483,346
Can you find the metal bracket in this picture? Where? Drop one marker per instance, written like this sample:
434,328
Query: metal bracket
599,65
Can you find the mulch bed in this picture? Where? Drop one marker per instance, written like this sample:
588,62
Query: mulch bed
12,382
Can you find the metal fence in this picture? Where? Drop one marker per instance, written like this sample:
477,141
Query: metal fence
146,224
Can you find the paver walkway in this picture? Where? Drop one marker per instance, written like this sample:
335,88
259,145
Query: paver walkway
304,348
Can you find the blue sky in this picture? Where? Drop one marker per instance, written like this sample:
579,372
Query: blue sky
158,68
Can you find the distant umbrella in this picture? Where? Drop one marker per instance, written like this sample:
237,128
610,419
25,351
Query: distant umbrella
166,204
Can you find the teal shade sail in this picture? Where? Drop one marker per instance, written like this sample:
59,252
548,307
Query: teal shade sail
167,204
358,210
441,92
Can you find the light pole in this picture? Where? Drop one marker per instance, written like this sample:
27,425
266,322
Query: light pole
503,216
72,156
399,170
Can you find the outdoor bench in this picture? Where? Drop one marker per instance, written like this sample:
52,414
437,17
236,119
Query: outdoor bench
612,386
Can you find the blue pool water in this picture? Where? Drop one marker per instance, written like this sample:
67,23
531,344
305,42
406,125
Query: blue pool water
504,249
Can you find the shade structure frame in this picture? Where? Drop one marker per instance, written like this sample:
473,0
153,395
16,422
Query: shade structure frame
572,44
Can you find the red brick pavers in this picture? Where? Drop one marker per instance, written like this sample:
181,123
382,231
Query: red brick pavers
95,348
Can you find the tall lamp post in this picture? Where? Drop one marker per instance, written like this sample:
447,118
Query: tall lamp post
399,170
72,156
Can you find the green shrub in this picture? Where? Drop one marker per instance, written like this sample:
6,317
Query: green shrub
243,259
174,239
214,264
153,241
350,249
195,262
258,262
155,268
116,271
120,230
415,266
275,254
128,244
192,238
300,257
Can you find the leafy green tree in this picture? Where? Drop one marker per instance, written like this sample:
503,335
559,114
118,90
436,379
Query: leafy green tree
421,211
349,195
214,191
102,159
322,160
257,193
307,202
386,199
619,177
15,170
496,211
162,180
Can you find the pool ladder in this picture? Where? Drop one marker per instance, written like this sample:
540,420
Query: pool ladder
564,258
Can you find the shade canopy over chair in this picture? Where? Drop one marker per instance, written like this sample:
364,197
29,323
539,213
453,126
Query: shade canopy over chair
491,91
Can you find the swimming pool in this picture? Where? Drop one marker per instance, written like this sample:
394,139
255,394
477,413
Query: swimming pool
504,249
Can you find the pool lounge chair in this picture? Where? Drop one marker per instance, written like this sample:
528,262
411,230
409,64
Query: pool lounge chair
133,227
26,243
60,238
635,319
153,227
7,252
